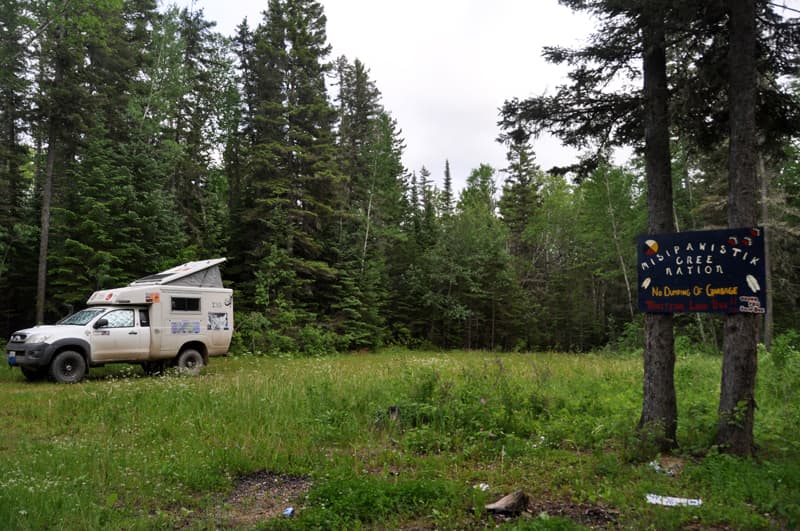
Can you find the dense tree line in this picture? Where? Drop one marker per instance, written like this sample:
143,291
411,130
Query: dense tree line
132,139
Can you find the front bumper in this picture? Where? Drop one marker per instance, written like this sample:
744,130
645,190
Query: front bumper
28,354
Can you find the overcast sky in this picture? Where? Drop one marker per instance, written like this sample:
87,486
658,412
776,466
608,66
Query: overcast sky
444,67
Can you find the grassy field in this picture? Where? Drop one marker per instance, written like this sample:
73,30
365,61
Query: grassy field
396,439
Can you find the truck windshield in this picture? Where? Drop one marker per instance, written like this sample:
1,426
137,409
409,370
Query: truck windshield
82,317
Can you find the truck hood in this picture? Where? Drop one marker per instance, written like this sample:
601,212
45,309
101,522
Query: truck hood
45,331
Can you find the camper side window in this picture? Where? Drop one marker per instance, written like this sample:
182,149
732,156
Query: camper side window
185,304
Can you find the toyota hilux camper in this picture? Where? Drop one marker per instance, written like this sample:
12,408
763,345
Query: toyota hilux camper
179,317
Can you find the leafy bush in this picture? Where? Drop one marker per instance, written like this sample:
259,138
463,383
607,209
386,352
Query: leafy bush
314,341
786,349
256,334
632,337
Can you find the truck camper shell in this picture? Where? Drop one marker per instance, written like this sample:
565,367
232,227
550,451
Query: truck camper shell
202,274
186,303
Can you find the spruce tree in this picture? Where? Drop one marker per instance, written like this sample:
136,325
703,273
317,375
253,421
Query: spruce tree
519,199
370,155
447,190
63,108
294,189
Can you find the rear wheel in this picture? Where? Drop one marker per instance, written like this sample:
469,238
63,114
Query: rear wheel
190,361
68,366
32,374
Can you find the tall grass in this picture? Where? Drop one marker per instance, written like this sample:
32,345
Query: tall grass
388,439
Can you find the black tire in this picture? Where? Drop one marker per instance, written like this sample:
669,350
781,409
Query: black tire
189,361
68,366
32,374
154,368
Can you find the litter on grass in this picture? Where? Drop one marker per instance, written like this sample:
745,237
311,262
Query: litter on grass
512,504
671,501
667,465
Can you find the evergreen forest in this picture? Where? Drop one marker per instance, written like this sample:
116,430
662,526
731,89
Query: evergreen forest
135,137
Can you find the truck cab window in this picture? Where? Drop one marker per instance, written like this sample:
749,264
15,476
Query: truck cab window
144,318
119,319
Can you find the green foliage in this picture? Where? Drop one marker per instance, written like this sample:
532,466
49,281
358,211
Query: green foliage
631,339
785,351
778,388
256,335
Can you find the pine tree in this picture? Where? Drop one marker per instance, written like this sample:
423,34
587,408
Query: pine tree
291,191
370,155
102,226
428,226
14,91
63,105
519,199
447,190
259,191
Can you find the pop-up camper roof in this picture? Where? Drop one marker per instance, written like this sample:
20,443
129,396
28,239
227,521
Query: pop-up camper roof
201,274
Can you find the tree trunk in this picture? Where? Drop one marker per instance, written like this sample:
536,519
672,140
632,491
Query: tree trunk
768,316
618,247
739,360
659,420
44,239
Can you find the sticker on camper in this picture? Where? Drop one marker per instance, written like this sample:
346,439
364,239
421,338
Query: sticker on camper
152,297
184,327
217,321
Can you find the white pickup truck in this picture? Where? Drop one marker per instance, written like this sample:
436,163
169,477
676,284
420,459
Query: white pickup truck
179,317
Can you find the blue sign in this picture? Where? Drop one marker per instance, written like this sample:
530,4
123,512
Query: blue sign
721,271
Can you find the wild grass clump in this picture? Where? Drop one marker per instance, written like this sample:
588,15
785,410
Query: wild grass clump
349,502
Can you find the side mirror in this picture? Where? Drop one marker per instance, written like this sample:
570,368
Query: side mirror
100,323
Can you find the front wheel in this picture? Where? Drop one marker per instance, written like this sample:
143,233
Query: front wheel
68,366
190,361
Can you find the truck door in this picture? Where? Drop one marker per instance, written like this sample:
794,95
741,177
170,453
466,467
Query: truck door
145,333
122,338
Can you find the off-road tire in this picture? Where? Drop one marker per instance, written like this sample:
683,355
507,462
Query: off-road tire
189,361
67,366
